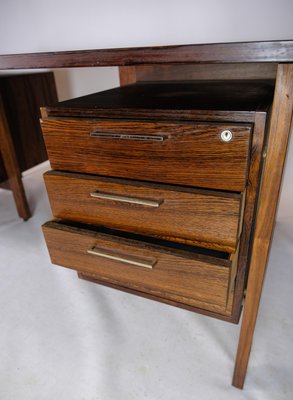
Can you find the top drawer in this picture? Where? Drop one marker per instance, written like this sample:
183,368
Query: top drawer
189,154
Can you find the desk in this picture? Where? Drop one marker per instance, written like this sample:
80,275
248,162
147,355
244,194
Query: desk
255,60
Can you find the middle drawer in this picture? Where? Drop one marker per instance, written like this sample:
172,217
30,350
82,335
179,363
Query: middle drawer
206,218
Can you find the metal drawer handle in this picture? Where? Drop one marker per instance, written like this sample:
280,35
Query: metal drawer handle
132,260
126,199
126,136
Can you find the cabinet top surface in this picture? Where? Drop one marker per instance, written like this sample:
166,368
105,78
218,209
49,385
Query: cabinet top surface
243,52
248,95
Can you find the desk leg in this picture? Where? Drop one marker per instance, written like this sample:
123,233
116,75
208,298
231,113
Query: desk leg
278,135
11,167
127,75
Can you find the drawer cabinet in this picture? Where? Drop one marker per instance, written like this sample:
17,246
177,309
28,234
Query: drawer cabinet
161,208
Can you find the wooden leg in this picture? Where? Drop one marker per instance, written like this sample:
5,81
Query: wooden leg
127,75
11,166
278,135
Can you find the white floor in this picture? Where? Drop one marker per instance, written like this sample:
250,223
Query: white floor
63,338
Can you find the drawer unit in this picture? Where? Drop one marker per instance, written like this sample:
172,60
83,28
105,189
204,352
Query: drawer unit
213,156
206,218
161,207
179,275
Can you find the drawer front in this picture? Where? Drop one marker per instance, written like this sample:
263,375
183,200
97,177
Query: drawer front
208,219
182,276
180,153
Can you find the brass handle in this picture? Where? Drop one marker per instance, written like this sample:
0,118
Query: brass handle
126,199
132,260
126,136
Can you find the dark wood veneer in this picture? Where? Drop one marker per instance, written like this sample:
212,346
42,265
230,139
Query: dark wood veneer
175,97
191,154
95,279
204,281
270,51
11,166
204,218
269,187
90,154
22,97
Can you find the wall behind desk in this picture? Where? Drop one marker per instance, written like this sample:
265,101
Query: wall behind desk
38,25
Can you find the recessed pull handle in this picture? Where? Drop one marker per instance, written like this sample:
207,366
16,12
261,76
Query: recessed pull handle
126,199
132,260
126,136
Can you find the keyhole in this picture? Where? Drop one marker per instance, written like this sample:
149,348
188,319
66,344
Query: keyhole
226,136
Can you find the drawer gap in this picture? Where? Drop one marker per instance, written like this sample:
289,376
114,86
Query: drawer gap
167,186
147,239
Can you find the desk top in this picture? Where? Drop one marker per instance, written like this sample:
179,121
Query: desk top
244,52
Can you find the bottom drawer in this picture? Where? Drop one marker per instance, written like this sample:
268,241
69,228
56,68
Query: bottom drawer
178,273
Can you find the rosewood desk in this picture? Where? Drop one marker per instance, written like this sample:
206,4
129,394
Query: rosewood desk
251,65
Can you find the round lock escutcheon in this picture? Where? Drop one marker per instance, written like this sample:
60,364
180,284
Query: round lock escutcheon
226,135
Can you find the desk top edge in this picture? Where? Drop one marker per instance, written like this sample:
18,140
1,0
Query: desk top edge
234,52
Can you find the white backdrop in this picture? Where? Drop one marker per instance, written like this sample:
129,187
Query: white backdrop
38,25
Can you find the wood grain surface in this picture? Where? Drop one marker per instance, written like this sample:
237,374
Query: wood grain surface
278,136
191,154
182,276
226,316
195,72
12,167
127,75
237,52
23,95
255,170
209,219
